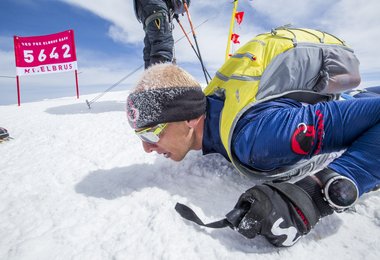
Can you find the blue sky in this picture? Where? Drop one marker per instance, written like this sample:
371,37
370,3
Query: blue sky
109,39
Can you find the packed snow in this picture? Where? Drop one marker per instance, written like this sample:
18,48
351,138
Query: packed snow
75,183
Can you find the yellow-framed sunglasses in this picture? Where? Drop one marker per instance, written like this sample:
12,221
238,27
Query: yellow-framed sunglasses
151,134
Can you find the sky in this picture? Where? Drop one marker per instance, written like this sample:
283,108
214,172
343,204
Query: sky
109,39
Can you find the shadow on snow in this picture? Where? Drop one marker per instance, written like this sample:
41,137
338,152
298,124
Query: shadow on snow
209,192
82,108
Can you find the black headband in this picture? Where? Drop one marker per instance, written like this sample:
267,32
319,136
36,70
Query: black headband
155,106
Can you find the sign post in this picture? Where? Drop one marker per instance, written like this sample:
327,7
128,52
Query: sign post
53,53
76,82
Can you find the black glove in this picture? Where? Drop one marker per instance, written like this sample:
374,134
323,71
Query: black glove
282,212
269,213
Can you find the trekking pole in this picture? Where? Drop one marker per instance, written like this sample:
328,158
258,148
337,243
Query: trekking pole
9,77
195,38
199,25
89,103
191,44
111,87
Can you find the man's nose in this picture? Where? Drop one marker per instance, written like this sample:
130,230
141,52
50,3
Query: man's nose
148,147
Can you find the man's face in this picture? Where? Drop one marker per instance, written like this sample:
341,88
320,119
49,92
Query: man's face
175,141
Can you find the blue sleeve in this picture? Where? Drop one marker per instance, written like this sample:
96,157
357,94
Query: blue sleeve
282,132
361,161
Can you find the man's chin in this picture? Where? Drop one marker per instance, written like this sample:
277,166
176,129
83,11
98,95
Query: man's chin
177,158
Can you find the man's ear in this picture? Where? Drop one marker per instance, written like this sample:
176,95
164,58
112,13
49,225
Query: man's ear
194,122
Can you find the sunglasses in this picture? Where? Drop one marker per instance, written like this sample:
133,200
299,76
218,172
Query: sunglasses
151,134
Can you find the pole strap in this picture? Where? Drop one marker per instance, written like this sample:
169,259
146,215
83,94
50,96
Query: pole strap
189,214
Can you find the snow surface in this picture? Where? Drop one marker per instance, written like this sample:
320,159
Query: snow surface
76,184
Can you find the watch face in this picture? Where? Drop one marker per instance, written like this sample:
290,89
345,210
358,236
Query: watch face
342,192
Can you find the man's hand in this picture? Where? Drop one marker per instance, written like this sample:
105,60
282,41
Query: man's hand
281,212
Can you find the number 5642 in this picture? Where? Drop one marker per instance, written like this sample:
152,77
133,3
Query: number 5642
29,57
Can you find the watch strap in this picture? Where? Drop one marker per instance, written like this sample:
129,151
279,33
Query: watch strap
314,190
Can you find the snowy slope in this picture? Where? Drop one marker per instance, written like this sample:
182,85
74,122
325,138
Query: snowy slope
76,184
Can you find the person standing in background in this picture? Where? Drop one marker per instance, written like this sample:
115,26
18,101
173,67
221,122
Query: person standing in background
156,17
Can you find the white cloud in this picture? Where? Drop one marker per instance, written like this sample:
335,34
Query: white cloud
119,12
298,13
358,24
7,64
118,34
355,22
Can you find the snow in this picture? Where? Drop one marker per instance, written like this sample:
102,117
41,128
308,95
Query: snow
76,184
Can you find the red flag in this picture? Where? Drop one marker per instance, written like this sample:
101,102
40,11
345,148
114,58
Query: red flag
239,17
235,38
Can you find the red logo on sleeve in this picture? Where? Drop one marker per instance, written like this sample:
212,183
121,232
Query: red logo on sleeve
303,139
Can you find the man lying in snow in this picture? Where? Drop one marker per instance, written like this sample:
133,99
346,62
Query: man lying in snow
172,115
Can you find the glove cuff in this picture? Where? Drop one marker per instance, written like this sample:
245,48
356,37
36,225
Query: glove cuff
304,205
311,187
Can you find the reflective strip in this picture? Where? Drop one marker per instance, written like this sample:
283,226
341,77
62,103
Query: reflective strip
243,55
221,76
245,78
154,16
324,45
248,55
237,77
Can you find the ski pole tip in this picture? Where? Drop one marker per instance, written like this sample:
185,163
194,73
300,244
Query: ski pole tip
88,104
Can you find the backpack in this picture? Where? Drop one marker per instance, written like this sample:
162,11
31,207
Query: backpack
286,62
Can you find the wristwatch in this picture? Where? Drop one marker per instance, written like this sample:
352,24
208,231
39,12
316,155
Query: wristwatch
338,191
